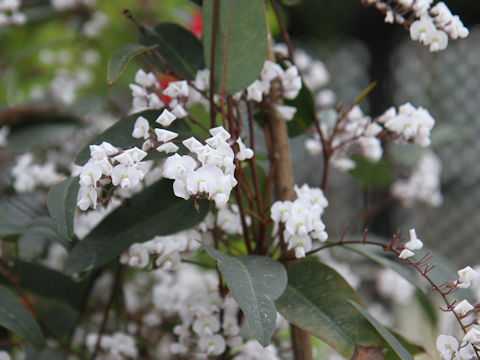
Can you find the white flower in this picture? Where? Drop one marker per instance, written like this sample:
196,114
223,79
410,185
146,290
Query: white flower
177,166
144,79
405,254
254,91
220,130
301,244
138,256
109,149
4,355
136,154
280,211
291,82
438,41
373,129
463,307
202,80
472,337
422,30
167,148
176,89
243,153
206,326
165,118
317,75
212,345
414,243
192,144
179,112
87,197
90,174
126,176
447,346
165,135
466,276
285,112
141,128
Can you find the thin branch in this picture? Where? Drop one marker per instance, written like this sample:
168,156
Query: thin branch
103,325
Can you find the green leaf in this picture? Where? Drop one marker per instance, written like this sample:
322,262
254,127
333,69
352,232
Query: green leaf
305,115
120,135
22,216
371,174
240,45
16,318
61,203
121,57
32,128
255,282
39,280
178,48
392,342
153,211
316,300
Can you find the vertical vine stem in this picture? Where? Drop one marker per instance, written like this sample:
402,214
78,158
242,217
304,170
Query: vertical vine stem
284,187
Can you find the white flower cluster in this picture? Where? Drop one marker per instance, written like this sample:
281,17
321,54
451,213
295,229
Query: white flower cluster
161,141
10,13
301,219
355,134
64,86
28,175
163,250
290,85
433,25
214,178
414,243
252,350
315,75
108,164
229,220
423,185
116,346
409,124
69,4
147,94
193,296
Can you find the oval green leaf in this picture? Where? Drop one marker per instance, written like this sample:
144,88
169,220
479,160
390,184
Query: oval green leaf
121,57
392,342
61,203
153,211
177,49
255,282
15,317
316,300
240,45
